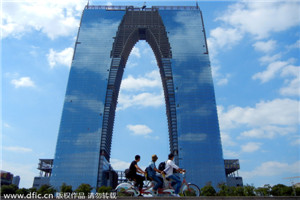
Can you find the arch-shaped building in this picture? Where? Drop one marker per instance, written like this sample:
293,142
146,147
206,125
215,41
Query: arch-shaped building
105,39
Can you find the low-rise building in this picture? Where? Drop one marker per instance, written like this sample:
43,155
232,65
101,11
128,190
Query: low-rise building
232,176
45,166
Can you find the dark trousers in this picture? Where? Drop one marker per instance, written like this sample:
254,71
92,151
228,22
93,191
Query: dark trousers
175,181
139,181
159,182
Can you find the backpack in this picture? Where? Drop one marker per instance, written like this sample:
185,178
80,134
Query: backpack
162,166
147,172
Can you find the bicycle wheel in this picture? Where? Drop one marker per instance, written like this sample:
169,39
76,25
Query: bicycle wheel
124,190
191,190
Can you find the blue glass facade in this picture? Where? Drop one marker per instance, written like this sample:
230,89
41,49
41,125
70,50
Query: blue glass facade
200,148
105,39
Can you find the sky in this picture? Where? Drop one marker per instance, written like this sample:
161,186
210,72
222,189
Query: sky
254,49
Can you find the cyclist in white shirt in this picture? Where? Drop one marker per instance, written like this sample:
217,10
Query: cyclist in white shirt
170,165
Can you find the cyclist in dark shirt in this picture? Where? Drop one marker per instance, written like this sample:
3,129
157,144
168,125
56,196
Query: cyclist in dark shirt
133,169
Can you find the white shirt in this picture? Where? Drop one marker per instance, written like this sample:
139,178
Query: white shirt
169,167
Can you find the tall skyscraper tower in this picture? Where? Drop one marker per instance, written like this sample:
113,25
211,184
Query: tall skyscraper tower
105,39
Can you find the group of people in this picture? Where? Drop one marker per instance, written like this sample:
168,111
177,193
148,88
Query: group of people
154,173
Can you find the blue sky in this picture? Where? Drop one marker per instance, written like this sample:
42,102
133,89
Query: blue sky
254,51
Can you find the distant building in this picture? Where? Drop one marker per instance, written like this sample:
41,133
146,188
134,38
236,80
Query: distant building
6,178
232,176
121,176
16,180
45,166
111,178
297,185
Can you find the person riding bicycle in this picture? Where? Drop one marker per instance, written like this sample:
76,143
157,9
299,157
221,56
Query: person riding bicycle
152,174
170,165
133,169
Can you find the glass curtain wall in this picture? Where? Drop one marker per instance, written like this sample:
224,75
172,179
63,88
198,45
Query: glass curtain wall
77,157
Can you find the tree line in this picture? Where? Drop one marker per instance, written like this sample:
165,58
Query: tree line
250,190
208,190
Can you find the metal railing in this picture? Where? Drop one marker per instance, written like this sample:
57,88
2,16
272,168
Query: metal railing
132,8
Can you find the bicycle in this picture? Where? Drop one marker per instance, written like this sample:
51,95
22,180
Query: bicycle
128,188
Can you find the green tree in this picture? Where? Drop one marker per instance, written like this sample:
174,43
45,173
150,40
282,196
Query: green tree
31,190
237,191
104,189
224,190
249,190
8,189
85,188
208,190
230,191
263,191
66,188
281,190
297,190
46,189
22,191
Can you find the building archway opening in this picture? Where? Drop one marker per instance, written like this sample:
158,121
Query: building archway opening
140,125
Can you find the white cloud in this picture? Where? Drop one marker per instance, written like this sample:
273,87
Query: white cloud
119,164
140,100
130,64
286,69
220,78
227,140
269,59
296,141
257,18
222,81
277,112
296,45
63,57
270,72
150,80
265,47
272,168
230,154
292,86
139,129
223,38
23,82
251,147
136,52
54,18
262,18
263,119
17,149
291,71
267,132
6,125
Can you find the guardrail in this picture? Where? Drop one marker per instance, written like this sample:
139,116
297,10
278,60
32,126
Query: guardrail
132,8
